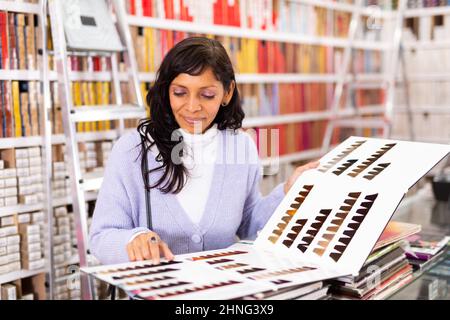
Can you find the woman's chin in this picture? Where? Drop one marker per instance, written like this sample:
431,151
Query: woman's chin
193,127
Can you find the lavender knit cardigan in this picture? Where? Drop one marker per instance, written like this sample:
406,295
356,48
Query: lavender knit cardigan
234,207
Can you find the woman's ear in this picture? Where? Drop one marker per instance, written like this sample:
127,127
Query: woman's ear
228,94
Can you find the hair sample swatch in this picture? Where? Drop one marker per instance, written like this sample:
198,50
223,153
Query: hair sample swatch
314,229
194,289
147,281
281,272
347,164
276,233
295,230
219,261
139,267
162,286
336,222
280,281
352,227
250,270
148,273
217,255
232,266
341,156
374,157
376,170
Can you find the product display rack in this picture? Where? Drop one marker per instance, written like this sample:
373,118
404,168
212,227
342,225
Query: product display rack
440,77
43,141
48,139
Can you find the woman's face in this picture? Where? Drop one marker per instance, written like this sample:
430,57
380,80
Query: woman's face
195,100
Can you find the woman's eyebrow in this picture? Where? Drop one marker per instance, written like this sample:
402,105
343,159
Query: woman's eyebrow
204,87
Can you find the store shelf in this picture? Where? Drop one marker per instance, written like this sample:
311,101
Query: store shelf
266,77
442,140
361,123
26,75
92,180
305,77
58,202
22,7
16,275
147,76
88,136
107,112
298,156
425,77
99,76
286,78
285,118
329,5
369,109
21,142
427,45
374,10
307,116
424,109
365,77
240,77
90,196
21,208
76,260
237,32
427,12
73,276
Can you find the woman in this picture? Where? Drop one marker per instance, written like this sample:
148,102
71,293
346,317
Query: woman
201,195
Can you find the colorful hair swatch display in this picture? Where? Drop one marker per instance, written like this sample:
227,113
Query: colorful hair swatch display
356,189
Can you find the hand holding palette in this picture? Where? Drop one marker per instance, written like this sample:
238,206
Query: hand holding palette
325,227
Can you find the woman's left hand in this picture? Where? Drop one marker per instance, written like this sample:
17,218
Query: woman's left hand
298,171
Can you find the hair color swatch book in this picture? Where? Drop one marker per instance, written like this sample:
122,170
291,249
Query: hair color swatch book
325,227
234,272
175,280
334,215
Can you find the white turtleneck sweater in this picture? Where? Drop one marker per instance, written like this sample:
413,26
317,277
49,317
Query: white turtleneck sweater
199,158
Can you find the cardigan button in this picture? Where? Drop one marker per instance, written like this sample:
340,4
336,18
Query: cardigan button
196,238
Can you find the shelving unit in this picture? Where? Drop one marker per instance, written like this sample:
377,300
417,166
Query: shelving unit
16,275
36,75
47,140
229,31
419,78
21,7
42,141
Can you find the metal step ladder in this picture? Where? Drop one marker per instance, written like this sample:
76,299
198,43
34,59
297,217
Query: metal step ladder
352,116
72,115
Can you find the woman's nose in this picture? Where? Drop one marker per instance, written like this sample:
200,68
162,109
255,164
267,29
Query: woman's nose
194,104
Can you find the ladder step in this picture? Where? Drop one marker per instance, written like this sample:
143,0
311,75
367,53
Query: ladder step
369,109
92,181
107,112
361,123
367,85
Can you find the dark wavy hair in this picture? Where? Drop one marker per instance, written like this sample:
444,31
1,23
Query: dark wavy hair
192,56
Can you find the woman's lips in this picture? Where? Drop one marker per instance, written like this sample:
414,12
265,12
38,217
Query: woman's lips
193,121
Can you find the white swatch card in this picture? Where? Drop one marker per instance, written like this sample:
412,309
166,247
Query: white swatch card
175,280
270,268
333,215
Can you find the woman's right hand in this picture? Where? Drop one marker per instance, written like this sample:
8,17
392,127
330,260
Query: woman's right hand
148,246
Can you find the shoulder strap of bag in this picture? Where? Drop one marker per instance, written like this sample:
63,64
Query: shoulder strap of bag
148,207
